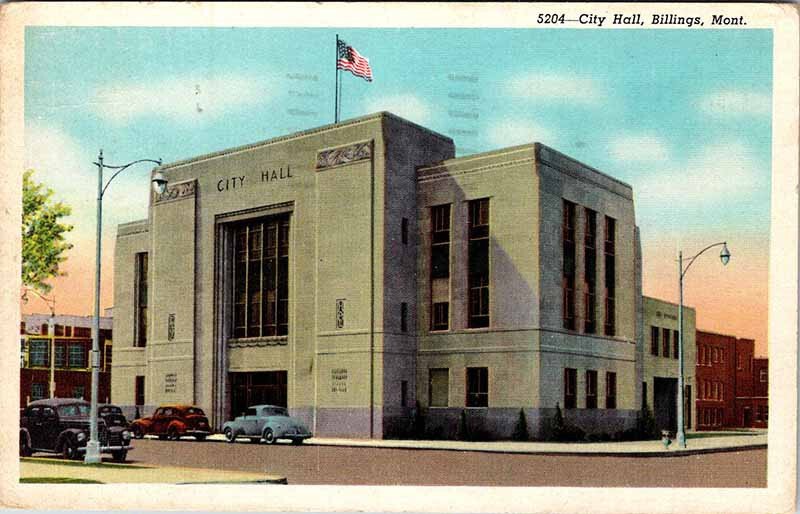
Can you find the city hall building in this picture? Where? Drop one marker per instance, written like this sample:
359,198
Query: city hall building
362,276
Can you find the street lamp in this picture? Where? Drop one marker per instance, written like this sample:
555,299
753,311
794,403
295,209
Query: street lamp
725,257
159,185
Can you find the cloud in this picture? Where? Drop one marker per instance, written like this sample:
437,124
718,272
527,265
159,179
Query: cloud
549,87
408,106
180,98
730,103
643,148
722,171
516,132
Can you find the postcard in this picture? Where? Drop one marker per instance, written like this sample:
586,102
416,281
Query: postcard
399,257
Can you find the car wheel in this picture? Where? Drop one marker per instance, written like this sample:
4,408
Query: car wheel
24,447
69,449
229,435
137,432
119,455
269,436
200,437
297,441
173,434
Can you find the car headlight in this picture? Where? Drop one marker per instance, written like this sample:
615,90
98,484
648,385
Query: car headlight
81,436
126,434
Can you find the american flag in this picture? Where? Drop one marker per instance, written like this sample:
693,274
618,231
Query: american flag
349,59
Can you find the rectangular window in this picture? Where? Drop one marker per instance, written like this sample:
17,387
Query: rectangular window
404,230
591,389
403,317
76,357
570,388
38,391
478,263
477,387
139,390
440,241
611,390
39,353
261,278
611,276
665,343
654,337
140,300
107,359
403,393
568,279
61,356
762,375
714,355
675,344
739,361
438,387
441,316
590,272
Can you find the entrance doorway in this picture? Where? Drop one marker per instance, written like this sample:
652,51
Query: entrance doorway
747,417
665,403
255,388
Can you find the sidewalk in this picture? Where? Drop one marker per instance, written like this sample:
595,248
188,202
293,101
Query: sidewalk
36,468
699,442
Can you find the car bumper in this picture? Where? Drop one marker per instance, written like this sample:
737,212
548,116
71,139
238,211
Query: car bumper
196,432
298,435
107,449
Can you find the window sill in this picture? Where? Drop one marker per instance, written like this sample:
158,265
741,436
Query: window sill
243,342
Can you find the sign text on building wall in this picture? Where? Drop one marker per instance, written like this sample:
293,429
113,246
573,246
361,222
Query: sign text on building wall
339,380
170,382
268,175
340,313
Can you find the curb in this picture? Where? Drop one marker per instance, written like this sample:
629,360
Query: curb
267,481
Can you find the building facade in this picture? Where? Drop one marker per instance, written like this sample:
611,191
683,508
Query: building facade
362,276
732,384
68,343
660,362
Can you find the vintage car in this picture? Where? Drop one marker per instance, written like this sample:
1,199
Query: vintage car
173,422
267,422
112,415
61,425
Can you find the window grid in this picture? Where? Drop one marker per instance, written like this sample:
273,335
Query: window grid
477,387
610,276
568,280
611,390
478,259
141,287
570,388
590,272
440,263
591,389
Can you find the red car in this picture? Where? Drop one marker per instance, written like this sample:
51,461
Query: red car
173,422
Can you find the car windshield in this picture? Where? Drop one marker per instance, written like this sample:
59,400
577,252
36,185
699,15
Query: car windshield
73,410
194,411
275,411
111,410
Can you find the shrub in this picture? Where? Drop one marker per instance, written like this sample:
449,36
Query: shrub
521,431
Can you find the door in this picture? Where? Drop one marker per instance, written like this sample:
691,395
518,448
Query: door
747,417
665,403
256,388
50,428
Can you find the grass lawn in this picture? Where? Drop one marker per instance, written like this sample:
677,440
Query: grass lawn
703,435
57,480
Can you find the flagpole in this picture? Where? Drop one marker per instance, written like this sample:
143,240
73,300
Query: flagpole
336,88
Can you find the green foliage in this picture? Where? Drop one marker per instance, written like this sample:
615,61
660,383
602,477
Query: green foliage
646,425
561,431
521,430
43,243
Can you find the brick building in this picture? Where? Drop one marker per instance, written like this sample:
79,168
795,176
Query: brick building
72,336
730,393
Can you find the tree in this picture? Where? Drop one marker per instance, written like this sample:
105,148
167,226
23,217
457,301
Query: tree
43,243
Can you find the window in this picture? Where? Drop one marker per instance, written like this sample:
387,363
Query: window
591,389
714,355
61,356
261,278
674,344
568,280
38,391
78,392
39,354
477,387
644,395
403,393
590,272
76,357
611,390
403,317
139,390
739,360
478,264
404,230
611,276
108,357
438,387
654,337
140,300
441,316
762,375
665,342
570,388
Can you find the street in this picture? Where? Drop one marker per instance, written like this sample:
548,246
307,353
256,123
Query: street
311,464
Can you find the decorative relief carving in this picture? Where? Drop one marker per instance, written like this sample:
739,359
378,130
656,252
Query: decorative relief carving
344,154
258,342
176,191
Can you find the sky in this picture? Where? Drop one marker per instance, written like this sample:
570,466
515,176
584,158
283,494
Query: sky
684,116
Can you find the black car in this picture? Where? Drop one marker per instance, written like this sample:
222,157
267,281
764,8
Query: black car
112,415
61,425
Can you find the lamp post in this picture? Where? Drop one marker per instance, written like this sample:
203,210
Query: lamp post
159,185
51,331
724,256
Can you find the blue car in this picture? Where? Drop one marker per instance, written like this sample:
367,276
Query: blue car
267,422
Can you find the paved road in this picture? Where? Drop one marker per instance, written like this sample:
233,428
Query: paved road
318,465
